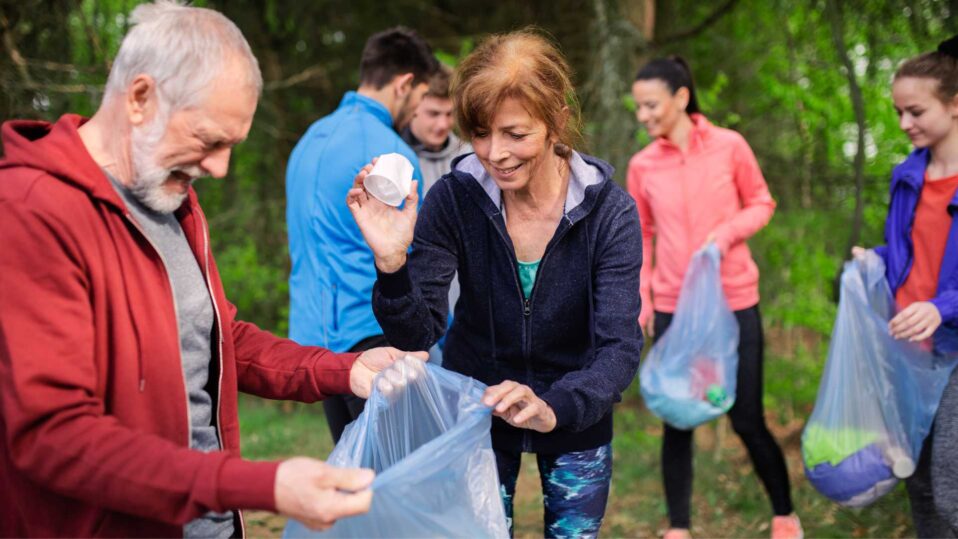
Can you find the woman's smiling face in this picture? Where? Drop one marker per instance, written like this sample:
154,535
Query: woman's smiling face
515,147
656,107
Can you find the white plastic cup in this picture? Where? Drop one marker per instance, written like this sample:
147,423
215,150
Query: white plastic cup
901,462
390,179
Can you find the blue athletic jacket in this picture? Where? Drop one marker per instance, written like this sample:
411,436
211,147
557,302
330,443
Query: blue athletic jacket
576,341
906,183
332,275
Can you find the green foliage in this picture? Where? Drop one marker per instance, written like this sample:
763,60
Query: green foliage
254,285
274,430
798,258
452,59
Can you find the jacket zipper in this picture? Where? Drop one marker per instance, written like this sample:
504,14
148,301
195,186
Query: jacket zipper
189,424
219,328
219,348
527,308
684,177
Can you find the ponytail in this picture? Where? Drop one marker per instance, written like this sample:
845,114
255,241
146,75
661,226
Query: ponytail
674,71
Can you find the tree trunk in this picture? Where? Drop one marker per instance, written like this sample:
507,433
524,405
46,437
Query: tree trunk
833,10
806,171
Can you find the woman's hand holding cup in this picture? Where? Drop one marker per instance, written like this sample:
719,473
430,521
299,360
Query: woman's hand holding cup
388,230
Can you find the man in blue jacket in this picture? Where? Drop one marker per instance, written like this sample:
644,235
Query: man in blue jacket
332,275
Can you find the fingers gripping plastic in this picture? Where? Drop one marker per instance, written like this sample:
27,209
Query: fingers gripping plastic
425,432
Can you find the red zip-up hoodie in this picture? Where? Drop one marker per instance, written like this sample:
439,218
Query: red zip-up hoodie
94,419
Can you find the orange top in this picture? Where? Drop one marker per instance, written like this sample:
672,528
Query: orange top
715,187
929,233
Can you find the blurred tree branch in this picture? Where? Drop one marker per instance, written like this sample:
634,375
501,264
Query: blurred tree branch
94,36
59,66
23,68
14,52
310,73
699,28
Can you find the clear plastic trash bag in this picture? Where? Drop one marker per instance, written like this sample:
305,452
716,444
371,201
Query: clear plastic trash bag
425,432
688,376
877,398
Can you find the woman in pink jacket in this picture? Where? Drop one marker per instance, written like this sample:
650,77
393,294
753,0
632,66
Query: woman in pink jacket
694,184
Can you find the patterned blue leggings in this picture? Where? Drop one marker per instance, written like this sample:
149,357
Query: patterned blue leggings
575,488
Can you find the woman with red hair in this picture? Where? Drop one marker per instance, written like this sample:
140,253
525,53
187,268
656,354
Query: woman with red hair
545,245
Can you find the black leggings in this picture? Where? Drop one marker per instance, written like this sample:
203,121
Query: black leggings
748,420
341,410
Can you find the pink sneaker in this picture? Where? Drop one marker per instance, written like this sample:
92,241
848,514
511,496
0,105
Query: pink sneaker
787,527
677,533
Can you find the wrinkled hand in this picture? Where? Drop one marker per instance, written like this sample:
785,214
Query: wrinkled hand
519,406
370,362
858,253
387,230
915,322
404,371
318,494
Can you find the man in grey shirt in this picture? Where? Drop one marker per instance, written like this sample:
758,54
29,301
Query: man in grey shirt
194,317
120,355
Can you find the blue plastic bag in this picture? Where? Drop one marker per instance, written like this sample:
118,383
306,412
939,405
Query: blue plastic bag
688,377
425,432
877,398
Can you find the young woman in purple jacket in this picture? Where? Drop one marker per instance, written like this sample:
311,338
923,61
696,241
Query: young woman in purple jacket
921,262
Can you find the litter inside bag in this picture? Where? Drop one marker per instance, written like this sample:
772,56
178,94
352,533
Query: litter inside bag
877,399
425,432
688,377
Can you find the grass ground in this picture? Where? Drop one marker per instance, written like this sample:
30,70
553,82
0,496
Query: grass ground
728,499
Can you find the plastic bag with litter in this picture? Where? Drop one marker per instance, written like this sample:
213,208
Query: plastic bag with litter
425,432
688,376
877,398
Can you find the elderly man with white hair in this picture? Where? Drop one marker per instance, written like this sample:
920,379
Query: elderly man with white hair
120,356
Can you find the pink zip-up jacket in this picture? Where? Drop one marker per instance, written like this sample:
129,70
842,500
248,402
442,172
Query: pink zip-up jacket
716,188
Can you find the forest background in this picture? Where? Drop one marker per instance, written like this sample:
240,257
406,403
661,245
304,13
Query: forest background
806,82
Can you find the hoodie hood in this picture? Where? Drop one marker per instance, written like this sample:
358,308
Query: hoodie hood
453,147
57,150
585,172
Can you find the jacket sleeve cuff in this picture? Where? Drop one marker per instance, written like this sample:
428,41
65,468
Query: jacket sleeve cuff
394,285
246,484
563,406
947,305
333,373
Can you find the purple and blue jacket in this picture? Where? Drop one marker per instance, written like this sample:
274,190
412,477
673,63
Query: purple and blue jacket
898,252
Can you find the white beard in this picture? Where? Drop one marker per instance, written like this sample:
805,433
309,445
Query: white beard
148,177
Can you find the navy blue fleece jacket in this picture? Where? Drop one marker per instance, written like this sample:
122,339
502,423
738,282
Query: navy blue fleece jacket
575,341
